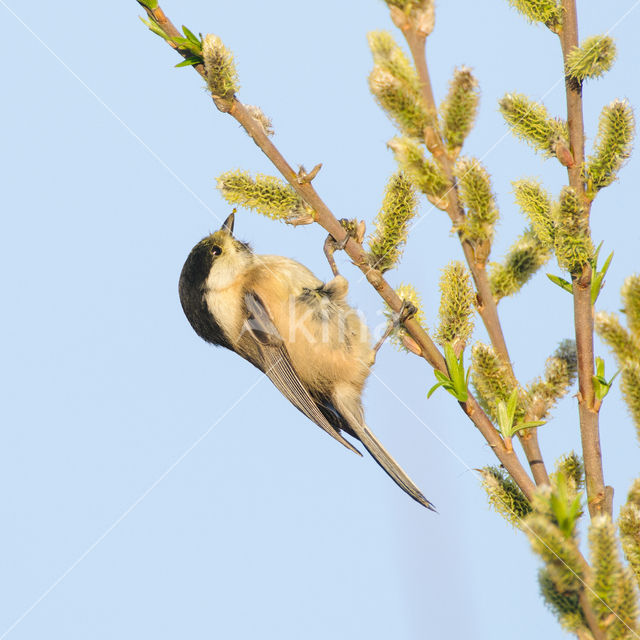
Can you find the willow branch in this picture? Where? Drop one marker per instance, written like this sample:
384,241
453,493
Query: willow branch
598,496
325,218
487,307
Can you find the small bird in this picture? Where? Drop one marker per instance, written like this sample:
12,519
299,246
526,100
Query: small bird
296,329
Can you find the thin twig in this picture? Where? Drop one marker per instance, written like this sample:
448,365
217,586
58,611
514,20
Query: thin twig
599,500
325,218
487,307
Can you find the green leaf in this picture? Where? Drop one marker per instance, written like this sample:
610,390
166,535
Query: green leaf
191,36
186,43
566,509
190,61
155,27
527,425
149,4
561,282
597,279
435,386
601,386
457,381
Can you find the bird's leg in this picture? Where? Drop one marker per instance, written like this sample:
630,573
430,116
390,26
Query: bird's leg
354,229
407,311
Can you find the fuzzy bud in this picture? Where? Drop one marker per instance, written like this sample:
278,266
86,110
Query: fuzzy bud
631,302
612,146
267,195
219,68
504,495
629,524
608,576
560,373
459,109
392,223
548,12
564,603
618,339
475,193
400,101
425,175
535,203
573,245
592,59
531,122
491,379
264,121
522,261
457,305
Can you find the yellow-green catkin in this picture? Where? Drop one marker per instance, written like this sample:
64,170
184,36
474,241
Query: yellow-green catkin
619,340
459,109
548,12
572,240
552,533
629,525
558,552
625,345
388,55
400,100
560,374
612,147
611,585
522,261
398,335
571,468
422,172
457,305
219,68
606,567
531,122
592,59
267,195
491,379
631,304
630,387
624,626
399,206
535,203
504,495
474,186
565,604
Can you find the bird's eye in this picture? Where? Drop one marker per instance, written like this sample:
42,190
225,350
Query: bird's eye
216,250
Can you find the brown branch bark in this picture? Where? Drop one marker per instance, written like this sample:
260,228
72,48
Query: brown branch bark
598,497
487,307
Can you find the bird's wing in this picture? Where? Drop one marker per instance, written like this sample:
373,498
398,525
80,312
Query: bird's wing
265,348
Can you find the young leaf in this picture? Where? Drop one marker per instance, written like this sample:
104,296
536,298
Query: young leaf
561,282
191,36
598,276
190,61
155,27
457,381
600,385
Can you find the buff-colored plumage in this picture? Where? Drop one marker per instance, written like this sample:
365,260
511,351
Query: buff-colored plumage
301,332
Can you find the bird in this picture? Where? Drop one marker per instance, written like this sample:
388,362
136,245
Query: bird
295,328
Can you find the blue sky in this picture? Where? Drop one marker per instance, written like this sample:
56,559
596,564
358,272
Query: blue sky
153,486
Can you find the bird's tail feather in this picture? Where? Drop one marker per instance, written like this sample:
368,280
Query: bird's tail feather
391,467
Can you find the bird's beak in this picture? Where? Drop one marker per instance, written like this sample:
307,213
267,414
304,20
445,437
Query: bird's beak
227,225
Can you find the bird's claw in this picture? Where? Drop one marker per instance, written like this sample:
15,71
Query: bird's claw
353,229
